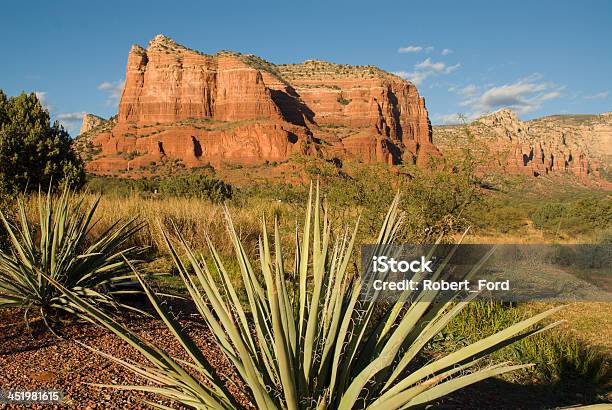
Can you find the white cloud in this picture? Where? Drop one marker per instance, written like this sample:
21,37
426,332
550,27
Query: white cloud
70,116
415,77
43,97
523,96
446,51
467,91
436,67
418,49
452,68
410,49
601,95
71,121
114,90
426,69
550,96
427,65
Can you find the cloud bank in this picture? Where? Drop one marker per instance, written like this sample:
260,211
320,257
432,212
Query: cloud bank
525,95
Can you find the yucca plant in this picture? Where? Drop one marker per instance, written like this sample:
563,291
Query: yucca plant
60,248
313,338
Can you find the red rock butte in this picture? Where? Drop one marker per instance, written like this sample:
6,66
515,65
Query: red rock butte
560,145
182,105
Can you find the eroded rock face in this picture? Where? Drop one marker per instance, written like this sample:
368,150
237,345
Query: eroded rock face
579,145
90,121
179,104
364,98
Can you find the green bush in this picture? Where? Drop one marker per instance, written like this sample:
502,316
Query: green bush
437,203
344,101
193,185
121,187
495,214
558,356
131,155
548,215
196,185
581,216
33,152
287,193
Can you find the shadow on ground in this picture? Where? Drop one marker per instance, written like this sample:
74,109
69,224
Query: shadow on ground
500,394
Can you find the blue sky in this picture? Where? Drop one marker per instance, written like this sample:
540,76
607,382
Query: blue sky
539,57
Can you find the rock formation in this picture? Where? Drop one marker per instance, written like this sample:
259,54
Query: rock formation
181,105
90,121
579,145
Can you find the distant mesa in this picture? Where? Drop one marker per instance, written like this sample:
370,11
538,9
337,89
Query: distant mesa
577,145
182,105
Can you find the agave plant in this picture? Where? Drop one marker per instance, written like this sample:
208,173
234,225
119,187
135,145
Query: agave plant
61,249
309,339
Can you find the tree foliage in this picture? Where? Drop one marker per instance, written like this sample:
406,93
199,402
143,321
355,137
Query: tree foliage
196,185
33,151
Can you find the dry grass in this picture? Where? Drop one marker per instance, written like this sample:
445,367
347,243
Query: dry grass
195,218
588,321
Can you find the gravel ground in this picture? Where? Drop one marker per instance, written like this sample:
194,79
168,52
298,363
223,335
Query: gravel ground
39,360
36,359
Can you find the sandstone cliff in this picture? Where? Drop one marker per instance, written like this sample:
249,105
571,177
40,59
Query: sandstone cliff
90,121
181,105
578,145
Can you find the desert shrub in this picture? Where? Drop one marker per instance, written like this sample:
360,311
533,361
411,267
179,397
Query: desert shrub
315,167
122,187
606,173
190,186
344,101
232,165
33,151
285,193
315,337
498,215
59,250
548,215
196,185
577,217
367,190
437,201
558,356
131,155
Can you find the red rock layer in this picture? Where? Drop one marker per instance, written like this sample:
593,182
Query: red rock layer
182,105
545,146
366,98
